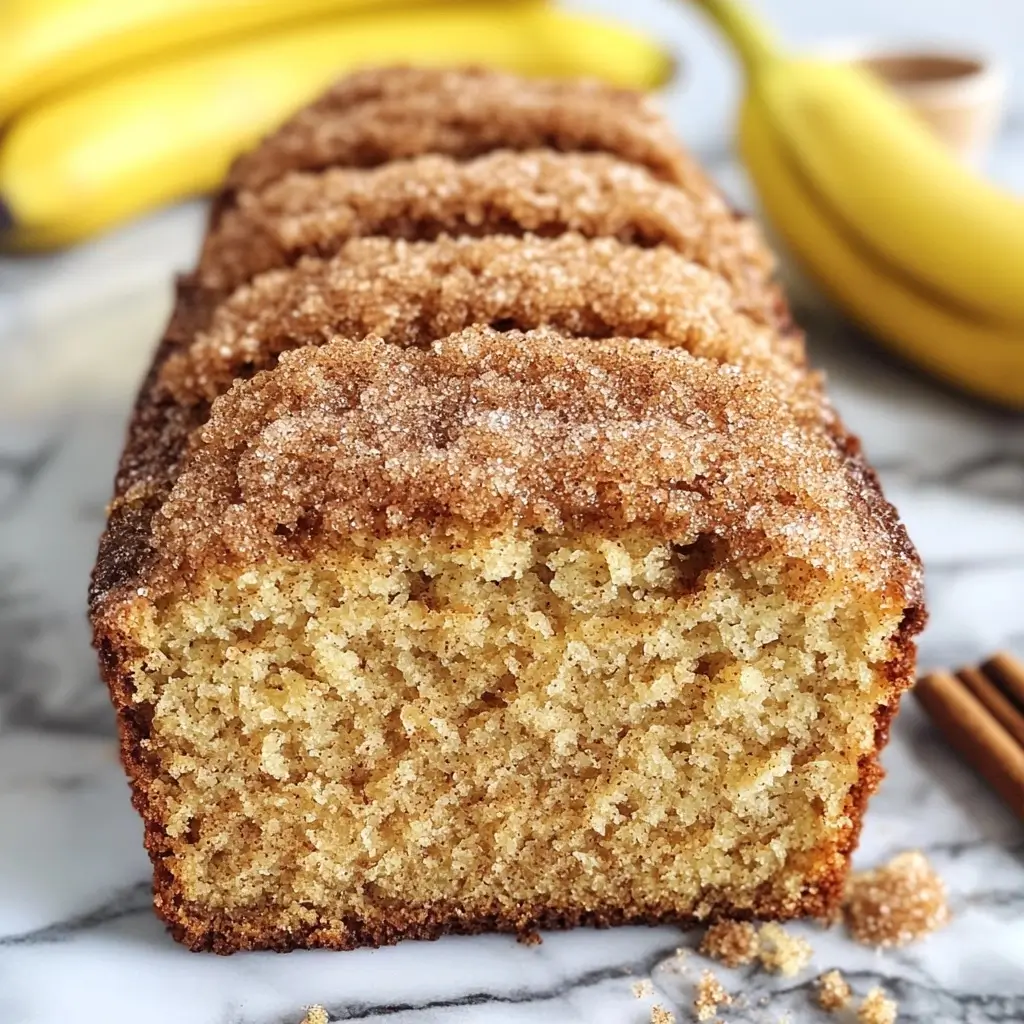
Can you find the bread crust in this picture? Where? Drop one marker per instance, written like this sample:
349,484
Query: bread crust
160,435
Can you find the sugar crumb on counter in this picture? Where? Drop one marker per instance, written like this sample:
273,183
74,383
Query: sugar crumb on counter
316,1015
896,904
659,1015
833,991
782,953
733,943
710,995
877,1008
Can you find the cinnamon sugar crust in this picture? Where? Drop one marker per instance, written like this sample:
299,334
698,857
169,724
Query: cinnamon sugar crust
534,430
538,191
379,115
412,293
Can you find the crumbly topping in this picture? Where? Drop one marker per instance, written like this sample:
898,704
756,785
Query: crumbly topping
412,293
316,1015
877,1008
375,116
504,192
733,943
896,904
489,429
782,953
710,995
643,989
659,1015
833,992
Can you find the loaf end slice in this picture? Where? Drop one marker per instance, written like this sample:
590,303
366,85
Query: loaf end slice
513,630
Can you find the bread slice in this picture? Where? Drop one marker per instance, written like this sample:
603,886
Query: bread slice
500,582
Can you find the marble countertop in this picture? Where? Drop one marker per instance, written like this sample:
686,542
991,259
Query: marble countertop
79,943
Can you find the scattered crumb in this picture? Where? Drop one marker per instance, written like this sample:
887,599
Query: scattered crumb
659,1015
316,1015
877,1008
896,904
782,953
710,995
643,989
734,943
833,991
529,938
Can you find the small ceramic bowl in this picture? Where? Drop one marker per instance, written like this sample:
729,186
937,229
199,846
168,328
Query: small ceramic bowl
960,96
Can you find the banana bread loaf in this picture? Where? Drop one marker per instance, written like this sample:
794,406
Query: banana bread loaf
484,554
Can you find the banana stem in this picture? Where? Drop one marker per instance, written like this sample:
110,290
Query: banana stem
753,41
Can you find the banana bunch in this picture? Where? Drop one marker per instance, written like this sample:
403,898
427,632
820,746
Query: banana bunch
923,253
112,107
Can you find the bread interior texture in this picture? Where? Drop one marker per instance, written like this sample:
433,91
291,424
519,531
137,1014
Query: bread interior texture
496,722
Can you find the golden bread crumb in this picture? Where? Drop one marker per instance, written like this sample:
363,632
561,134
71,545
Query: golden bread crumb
659,1015
782,953
316,1015
833,991
877,1008
643,989
896,904
710,995
733,943
291,672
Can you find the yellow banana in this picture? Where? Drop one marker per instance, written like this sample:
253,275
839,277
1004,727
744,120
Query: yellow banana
50,45
899,188
87,160
969,354
901,236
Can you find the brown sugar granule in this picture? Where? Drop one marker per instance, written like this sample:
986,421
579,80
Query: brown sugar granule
643,989
316,1015
375,116
833,991
537,191
488,427
734,943
877,1008
782,953
710,995
659,1015
412,293
896,904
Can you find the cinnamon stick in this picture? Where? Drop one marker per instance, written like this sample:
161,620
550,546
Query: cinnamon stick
1008,672
1002,710
974,732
